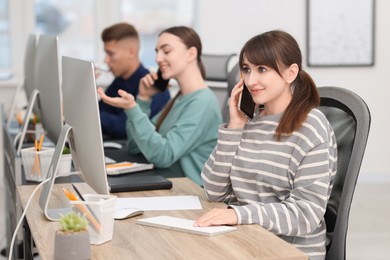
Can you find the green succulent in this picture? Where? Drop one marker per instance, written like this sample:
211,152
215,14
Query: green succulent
66,150
73,222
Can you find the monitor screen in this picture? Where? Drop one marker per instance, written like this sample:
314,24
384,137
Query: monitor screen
43,86
48,83
29,76
29,65
81,112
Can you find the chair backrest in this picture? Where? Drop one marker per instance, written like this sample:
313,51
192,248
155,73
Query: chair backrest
217,68
350,118
232,78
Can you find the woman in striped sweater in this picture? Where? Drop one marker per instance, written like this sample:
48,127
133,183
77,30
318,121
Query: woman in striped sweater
277,169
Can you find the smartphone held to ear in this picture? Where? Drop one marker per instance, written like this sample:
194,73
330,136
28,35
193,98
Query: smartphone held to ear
246,103
160,83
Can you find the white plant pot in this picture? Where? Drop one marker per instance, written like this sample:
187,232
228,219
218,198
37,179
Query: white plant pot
65,166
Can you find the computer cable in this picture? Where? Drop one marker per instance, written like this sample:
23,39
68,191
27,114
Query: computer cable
22,217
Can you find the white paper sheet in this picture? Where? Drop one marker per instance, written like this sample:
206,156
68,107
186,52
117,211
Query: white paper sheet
159,203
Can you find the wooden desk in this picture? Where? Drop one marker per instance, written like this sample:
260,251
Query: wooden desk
132,241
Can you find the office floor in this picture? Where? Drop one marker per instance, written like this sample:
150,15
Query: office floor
369,225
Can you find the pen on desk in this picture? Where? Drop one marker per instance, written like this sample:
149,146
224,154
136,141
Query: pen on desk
115,165
72,197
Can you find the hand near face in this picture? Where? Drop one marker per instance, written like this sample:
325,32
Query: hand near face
237,118
125,100
217,217
146,89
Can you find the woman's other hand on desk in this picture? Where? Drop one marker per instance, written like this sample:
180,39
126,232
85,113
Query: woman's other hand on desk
125,100
217,217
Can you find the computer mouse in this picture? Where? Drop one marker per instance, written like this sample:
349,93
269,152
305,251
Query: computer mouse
127,213
112,145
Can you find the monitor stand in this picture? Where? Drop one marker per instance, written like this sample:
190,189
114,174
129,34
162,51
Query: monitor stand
53,214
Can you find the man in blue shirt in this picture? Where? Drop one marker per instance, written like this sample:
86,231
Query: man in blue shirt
121,44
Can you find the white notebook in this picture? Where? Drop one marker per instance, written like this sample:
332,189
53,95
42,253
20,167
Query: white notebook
184,225
126,167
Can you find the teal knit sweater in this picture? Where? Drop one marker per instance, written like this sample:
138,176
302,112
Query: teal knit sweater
186,137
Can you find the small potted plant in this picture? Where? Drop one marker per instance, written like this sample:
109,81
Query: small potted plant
72,240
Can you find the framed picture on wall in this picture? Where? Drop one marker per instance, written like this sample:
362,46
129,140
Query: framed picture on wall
340,33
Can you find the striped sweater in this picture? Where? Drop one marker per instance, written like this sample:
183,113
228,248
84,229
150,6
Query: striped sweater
284,186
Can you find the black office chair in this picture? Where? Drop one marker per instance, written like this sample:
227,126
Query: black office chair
350,118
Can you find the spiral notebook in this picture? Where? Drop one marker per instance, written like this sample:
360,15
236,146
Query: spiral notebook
121,168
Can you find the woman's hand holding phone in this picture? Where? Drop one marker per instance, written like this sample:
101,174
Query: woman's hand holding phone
246,103
146,90
160,83
237,118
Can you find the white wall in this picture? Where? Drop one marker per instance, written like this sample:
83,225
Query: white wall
225,26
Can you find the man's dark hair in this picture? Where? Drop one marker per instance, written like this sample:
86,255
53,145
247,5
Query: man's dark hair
118,32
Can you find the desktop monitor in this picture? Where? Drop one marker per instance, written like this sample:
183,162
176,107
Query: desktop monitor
43,87
81,129
29,74
81,112
48,83
29,64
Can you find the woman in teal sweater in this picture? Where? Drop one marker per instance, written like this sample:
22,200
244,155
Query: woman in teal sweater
184,134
